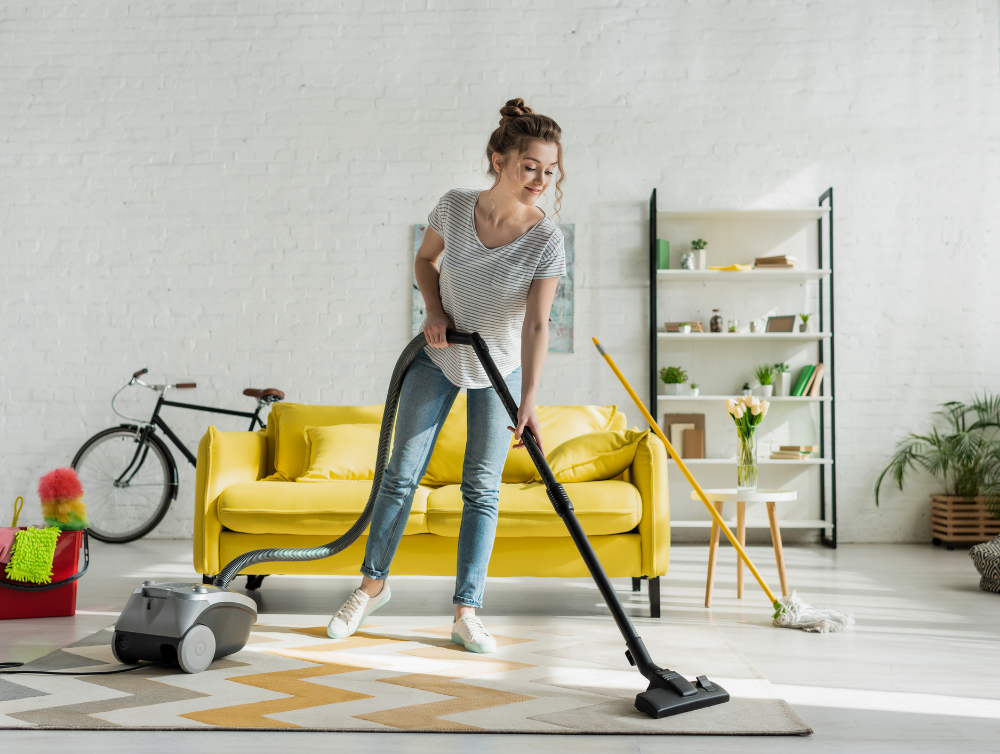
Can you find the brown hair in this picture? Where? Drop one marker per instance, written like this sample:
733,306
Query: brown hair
519,126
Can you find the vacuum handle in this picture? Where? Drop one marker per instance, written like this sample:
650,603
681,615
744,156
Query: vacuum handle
496,379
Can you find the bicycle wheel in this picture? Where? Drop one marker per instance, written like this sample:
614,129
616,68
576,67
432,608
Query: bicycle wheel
128,484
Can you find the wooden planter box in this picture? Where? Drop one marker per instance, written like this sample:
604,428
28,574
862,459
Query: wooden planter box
955,519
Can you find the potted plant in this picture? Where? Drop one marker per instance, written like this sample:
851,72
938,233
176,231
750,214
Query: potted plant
765,376
673,380
684,327
965,460
694,388
784,379
804,327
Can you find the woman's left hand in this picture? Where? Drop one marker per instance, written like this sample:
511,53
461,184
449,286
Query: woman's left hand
526,417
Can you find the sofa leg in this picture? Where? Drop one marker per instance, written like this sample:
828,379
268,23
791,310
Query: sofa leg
636,583
654,597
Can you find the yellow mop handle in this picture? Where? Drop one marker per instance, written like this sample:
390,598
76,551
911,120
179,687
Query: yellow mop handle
683,467
18,504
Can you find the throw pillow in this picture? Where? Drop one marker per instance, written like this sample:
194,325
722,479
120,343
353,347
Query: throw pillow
340,452
593,456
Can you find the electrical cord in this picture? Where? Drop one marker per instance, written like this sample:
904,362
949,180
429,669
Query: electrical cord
57,672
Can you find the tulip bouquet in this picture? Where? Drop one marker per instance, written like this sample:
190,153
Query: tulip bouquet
747,411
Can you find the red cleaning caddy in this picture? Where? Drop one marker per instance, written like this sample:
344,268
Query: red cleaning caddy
62,506
20,600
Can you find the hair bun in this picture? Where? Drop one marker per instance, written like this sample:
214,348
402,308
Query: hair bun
514,109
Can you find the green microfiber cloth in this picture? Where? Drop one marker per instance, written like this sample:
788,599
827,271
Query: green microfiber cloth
34,551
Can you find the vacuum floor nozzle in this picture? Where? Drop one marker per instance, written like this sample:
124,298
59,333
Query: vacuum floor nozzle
674,698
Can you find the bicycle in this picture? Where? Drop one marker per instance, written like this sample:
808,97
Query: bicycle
128,472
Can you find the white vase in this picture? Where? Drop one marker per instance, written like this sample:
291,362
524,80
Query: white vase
767,390
684,329
695,391
785,386
677,388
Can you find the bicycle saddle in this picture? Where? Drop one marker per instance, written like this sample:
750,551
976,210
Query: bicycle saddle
271,393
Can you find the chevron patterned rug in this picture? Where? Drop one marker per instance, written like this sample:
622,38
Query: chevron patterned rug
548,675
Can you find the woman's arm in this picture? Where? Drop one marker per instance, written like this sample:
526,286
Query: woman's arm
534,347
425,267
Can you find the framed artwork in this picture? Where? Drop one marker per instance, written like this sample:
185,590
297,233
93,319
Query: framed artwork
783,323
561,316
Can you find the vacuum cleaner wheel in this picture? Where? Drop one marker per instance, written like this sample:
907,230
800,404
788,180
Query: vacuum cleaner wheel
196,649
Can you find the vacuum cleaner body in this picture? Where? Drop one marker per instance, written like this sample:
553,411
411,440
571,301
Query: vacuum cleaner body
191,624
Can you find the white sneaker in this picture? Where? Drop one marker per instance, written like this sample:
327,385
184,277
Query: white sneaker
470,633
358,607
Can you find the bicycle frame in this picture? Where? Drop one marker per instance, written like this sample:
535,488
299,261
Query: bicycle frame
158,421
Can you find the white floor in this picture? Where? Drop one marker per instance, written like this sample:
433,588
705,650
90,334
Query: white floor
919,673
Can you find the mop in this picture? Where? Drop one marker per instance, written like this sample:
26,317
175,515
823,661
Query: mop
790,611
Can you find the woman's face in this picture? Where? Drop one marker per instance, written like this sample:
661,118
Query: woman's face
529,175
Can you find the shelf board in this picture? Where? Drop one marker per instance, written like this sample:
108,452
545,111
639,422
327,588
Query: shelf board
745,335
787,213
772,399
760,462
740,277
814,523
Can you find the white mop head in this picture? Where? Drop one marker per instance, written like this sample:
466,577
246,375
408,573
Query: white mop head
798,614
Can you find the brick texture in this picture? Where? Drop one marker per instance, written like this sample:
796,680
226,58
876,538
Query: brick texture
223,192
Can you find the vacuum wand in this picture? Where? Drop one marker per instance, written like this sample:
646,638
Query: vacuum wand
669,693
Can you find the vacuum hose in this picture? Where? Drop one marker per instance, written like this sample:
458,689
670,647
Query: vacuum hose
270,555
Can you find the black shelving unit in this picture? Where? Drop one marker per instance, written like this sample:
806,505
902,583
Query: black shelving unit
827,487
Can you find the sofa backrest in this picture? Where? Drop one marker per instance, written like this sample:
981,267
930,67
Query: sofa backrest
558,424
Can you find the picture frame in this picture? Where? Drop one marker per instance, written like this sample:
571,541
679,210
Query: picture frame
781,323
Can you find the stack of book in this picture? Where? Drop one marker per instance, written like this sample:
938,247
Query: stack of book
793,452
781,262
809,381
676,326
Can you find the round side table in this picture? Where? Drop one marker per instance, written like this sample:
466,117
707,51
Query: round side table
771,497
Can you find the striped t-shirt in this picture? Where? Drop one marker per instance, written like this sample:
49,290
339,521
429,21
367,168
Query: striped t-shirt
486,290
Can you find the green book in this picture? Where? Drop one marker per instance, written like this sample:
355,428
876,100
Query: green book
662,254
803,380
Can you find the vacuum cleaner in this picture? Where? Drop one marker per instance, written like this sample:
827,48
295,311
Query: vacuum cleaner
194,624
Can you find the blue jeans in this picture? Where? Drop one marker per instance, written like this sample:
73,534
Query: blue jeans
424,402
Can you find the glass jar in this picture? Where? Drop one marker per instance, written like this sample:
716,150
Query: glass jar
687,260
734,325
716,322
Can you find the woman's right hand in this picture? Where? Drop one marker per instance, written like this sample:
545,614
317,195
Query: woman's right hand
435,327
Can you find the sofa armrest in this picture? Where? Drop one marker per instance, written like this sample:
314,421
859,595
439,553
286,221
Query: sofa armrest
648,473
224,459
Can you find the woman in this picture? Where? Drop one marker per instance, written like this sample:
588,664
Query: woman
489,263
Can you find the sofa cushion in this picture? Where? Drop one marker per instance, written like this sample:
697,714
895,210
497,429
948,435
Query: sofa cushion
606,507
292,508
291,420
340,452
593,456
558,424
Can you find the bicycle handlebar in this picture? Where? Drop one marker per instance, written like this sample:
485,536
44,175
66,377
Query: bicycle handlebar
186,384
139,374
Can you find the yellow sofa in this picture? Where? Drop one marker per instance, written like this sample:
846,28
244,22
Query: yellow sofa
245,499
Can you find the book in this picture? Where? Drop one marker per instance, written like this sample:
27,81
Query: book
778,455
799,448
694,443
803,378
809,382
817,380
677,436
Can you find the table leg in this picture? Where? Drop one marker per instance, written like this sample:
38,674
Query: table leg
779,555
741,535
713,552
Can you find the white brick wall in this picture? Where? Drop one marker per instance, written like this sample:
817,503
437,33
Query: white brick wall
223,192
